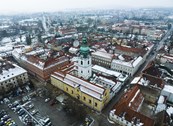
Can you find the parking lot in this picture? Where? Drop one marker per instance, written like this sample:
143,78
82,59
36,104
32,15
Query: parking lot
28,109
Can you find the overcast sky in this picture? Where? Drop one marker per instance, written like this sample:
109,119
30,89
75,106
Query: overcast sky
7,6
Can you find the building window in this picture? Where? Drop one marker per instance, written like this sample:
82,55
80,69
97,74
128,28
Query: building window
71,91
89,101
88,62
81,71
95,104
84,98
66,89
105,94
81,62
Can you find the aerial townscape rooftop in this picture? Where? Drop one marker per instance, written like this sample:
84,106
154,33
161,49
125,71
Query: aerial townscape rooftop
86,63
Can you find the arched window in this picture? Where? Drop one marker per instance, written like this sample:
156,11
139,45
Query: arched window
88,62
81,62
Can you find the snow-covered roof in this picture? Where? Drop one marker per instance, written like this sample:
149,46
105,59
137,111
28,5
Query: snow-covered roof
169,110
116,86
135,80
36,52
6,40
84,86
103,70
5,49
168,57
11,73
161,100
103,54
40,64
132,100
168,88
73,50
132,63
106,71
137,61
143,81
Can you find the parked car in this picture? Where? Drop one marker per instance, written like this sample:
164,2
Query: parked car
31,106
10,105
52,102
47,99
34,112
2,123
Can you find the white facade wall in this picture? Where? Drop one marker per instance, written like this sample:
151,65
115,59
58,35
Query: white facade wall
125,67
130,70
84,67
169,95
119,120
14,82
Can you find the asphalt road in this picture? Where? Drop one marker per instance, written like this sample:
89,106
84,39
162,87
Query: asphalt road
161,43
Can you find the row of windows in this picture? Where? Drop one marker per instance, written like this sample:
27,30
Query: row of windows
12,80
82,62
8,85
82,71
102,61
122,68
84,98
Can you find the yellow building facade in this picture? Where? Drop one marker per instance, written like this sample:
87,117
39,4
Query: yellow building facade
85,97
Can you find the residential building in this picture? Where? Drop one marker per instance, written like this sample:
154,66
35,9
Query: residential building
128,111
123,59
41,62
151,76
110,73
164,58
11,76
124,65
67,31
102,58
168,93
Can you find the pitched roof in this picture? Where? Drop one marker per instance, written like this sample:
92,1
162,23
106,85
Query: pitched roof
139,51
152,70
64,74
129,105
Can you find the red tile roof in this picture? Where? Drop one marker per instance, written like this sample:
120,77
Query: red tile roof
48,62
133,50
152,70
135,97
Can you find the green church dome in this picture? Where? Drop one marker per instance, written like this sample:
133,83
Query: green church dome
84,49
